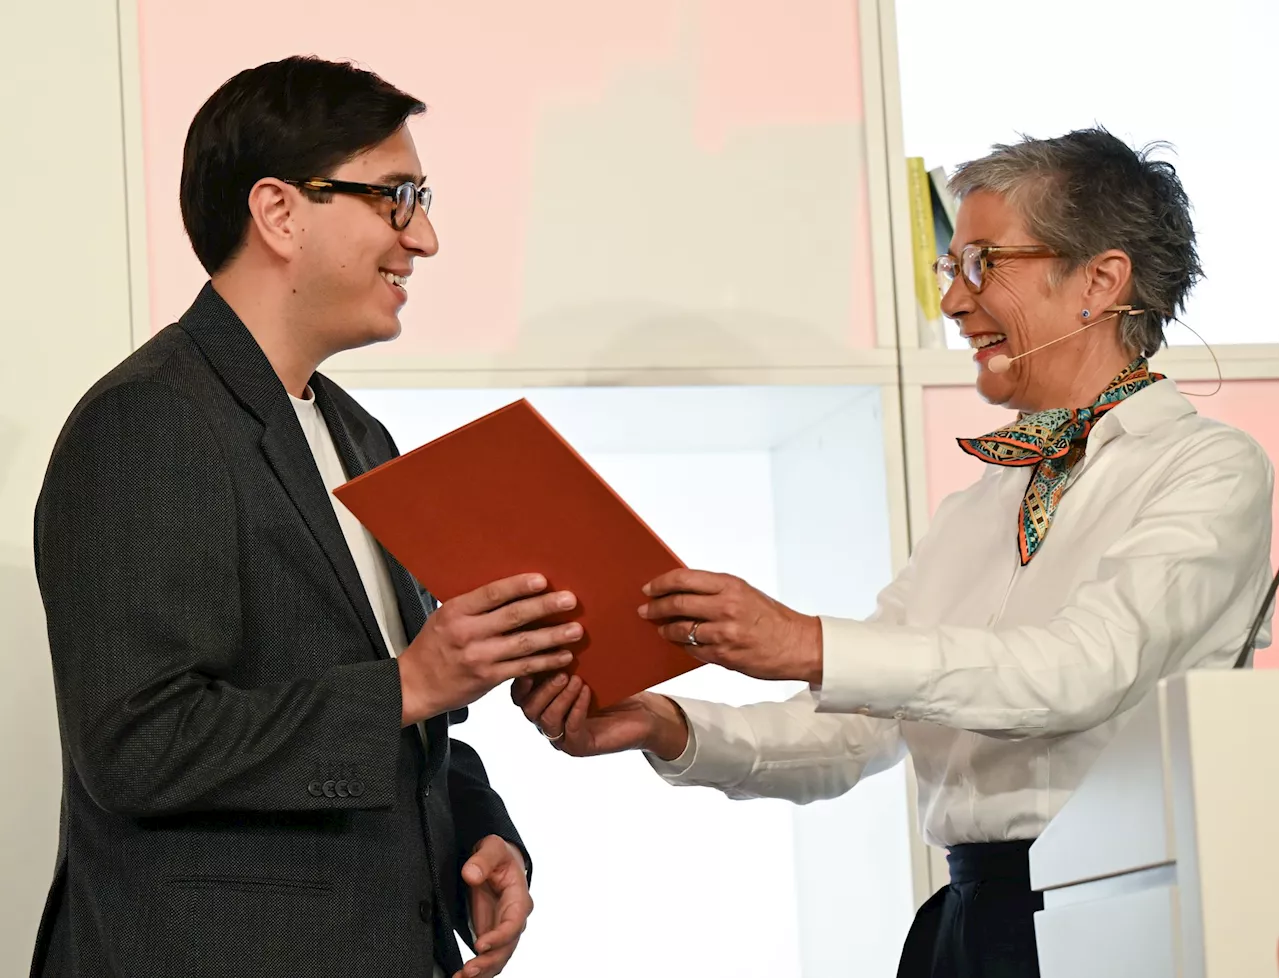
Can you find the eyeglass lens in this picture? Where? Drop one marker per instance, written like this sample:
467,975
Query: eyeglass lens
407,198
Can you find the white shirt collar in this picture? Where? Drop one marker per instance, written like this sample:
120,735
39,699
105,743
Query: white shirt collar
1142,413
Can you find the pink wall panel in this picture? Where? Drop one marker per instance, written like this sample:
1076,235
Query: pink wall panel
734,94
489,72
470,63
952,412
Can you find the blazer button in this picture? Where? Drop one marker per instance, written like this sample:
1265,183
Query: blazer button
328,790
342,789
424,911
355,788
315,790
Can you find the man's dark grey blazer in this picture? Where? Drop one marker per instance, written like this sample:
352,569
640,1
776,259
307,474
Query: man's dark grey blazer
239,798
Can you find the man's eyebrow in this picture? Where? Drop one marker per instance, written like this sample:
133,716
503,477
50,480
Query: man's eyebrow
400,177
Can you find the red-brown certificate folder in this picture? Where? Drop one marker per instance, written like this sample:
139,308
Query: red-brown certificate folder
506,495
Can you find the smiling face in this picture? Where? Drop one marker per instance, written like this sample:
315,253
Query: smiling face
1022,306
349,270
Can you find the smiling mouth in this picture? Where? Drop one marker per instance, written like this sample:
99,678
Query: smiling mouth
394,279
981,341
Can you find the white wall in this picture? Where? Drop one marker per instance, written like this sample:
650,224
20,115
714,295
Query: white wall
1201,76
63,322
784,487
853,854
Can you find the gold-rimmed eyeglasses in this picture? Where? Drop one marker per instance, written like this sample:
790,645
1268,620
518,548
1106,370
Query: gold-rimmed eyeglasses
976,260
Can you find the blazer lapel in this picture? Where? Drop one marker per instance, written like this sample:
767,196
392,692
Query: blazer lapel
235,355
408,597
413,613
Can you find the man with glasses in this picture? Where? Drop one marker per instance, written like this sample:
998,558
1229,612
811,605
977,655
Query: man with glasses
255,708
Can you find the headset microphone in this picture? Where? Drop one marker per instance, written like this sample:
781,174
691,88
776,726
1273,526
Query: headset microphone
1000,363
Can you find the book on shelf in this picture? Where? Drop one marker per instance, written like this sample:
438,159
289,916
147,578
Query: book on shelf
944,202
924,251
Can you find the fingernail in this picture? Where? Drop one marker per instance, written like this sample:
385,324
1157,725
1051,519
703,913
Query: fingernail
643,611
646,590
482,948
565,601
560,679
574,630
537,582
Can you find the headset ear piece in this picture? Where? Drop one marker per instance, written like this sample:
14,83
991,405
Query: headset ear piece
1216,365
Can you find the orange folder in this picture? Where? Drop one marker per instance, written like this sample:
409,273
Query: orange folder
505,495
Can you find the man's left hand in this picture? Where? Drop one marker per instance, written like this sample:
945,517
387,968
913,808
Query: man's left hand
500,904
724,620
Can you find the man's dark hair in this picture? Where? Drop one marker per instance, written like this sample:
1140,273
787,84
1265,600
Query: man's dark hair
293,119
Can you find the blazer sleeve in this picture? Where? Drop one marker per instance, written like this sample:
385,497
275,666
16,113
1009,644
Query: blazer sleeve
478,812
137,559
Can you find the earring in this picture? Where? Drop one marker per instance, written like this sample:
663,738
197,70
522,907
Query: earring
1084,313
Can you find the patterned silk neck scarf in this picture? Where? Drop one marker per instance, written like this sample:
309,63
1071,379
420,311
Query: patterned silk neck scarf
1053,442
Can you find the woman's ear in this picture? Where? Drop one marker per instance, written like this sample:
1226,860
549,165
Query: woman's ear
1107,281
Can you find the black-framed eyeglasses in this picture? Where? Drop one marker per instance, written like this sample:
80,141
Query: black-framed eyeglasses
975,261
404,198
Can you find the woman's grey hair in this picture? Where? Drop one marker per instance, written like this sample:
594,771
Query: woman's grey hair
1086,192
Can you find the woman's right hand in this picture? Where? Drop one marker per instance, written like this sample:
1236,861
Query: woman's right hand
558,706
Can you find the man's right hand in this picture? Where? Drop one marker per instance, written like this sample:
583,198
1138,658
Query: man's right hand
559,706
473,643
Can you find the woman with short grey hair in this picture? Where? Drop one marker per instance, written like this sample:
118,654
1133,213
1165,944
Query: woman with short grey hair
1116,538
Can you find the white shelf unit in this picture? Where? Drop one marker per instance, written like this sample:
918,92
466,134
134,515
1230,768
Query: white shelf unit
1237,361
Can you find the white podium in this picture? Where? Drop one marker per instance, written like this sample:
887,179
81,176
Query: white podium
1163,864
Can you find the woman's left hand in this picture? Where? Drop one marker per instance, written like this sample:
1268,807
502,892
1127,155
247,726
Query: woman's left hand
724,620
